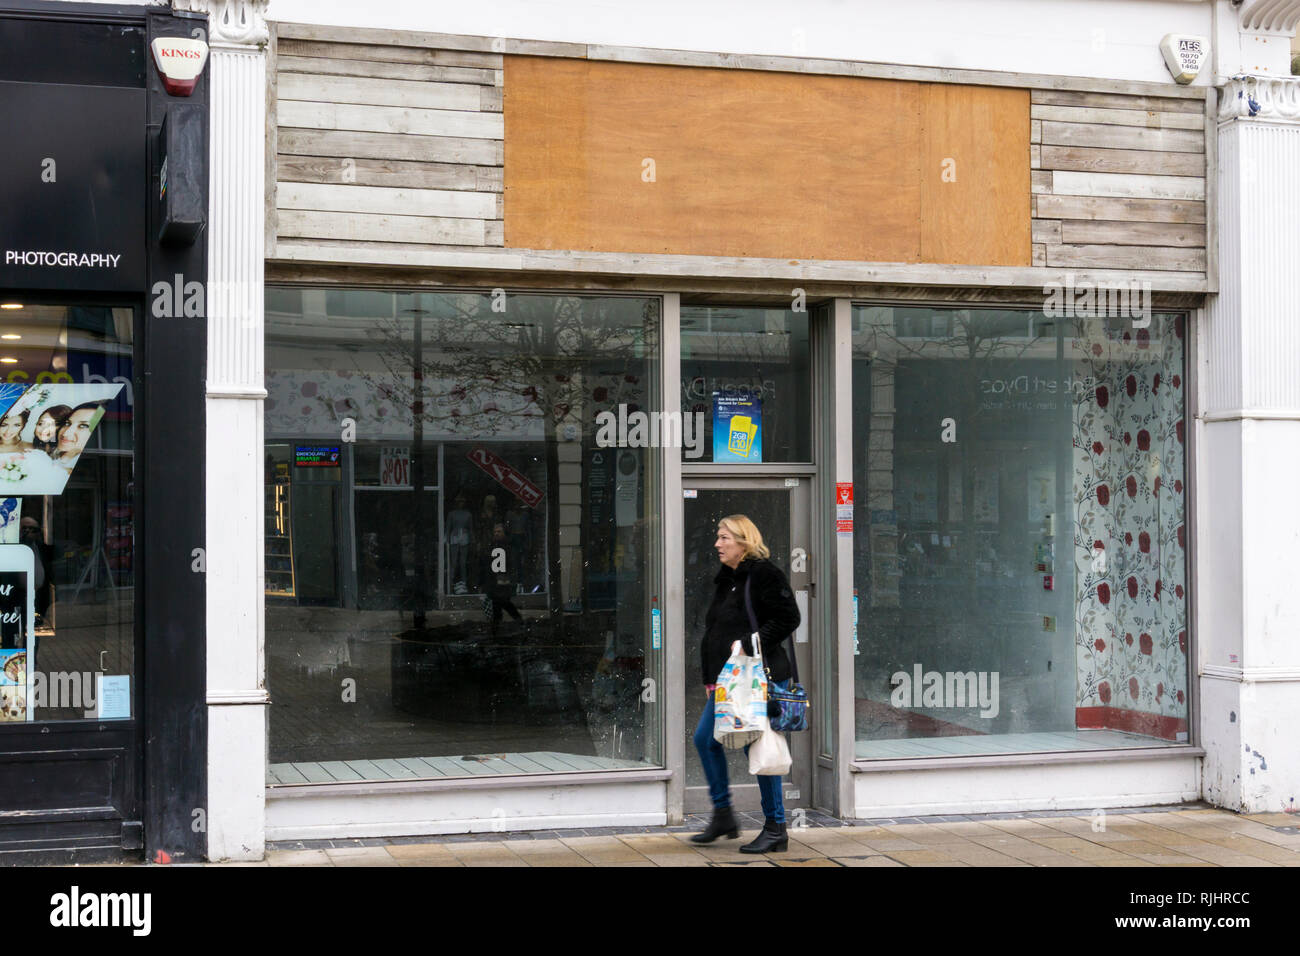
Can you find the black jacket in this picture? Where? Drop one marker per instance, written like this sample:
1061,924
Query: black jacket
726,622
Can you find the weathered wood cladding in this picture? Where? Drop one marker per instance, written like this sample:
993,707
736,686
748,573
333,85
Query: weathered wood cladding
1119,182
385,143
380,146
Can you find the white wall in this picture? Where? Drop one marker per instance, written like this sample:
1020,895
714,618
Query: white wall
1101,38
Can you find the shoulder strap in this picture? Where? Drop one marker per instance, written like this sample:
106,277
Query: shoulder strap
753,625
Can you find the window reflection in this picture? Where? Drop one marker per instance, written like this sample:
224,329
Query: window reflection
474,561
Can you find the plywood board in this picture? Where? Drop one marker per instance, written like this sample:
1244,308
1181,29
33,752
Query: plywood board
975,181
739,167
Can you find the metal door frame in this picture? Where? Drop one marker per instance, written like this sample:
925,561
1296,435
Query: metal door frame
797,789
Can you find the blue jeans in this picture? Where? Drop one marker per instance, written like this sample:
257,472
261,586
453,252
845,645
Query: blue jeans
714,758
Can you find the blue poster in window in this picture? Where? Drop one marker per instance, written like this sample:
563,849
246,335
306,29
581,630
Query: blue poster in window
737,428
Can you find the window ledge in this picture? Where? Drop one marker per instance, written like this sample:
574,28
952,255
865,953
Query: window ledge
1019,760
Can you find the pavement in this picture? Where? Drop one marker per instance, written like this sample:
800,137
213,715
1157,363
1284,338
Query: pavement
1190,835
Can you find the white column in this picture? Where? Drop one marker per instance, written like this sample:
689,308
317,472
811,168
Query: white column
237,697
1248,459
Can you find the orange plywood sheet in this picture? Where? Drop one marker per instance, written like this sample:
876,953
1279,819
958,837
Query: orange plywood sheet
745,163
975,185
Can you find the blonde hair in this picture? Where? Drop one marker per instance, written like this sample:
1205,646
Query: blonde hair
747,533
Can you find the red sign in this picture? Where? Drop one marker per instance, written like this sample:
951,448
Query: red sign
844,493
506,476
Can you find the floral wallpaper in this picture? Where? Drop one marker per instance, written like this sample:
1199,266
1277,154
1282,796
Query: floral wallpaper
1129,526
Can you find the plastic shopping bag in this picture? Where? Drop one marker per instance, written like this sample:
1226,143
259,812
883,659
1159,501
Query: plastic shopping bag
740,700
769,755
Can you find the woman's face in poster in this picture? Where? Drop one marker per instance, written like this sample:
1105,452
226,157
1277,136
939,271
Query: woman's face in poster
11,426
47,427
75,431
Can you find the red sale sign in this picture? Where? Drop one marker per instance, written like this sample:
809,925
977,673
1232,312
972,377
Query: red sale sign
510,479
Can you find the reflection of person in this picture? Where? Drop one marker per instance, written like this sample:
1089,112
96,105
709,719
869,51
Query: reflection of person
43,554
45,436
744,557
487,520
75,431
460,528
497,584
517,528
11,430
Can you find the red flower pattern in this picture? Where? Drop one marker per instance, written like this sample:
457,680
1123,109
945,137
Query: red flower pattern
1144,643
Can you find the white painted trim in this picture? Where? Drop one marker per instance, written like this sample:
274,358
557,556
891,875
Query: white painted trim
240,696
1099,784
1253,414
223,390
1251,675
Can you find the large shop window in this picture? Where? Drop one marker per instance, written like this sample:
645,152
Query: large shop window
461,571
746,389
67,520
1020,543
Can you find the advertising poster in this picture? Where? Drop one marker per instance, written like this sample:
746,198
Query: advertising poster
737,428
17,564
43,432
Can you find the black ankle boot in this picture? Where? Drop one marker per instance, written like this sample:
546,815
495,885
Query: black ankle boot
771,839
722,824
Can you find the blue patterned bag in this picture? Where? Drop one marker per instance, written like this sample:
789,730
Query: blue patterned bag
786,709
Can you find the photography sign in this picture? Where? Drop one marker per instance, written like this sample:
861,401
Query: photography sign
74,173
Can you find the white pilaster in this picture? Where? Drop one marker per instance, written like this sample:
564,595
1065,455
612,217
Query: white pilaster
237,697
1249,455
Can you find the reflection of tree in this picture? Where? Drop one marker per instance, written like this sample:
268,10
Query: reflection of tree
534,363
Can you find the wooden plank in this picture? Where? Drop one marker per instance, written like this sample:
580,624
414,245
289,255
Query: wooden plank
390,54
448,41
389,119
314,772
580,762
1040,181
552,761
339,770
448,766
367,769
384,200
1035,156
333,66
1046,230
1040,254
1113,117
494,233
1035,131
289,773
349,144
419,768
491,179
1126,184
1142,210
1163,104
1090,160
579,133
394,173
1123,137
975,183
296,223
1127,257
491,99
1084,232
525,764
271,775
368,91
395,769
392,253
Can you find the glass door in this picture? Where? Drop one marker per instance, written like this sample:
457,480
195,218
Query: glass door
779,507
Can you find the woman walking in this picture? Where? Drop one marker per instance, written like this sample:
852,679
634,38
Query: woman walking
744,559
